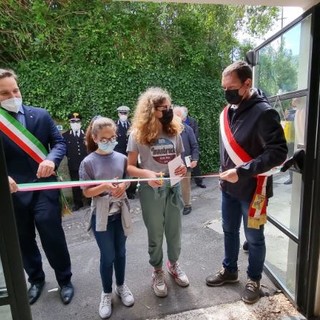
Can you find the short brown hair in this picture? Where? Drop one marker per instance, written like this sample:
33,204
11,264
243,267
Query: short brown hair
241,68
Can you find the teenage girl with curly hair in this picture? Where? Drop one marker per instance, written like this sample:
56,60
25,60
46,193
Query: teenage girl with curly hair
154,141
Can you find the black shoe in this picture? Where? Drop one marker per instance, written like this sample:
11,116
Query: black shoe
221,277
245,246
186,210
289,181
34,292
251,293
201,185
66,293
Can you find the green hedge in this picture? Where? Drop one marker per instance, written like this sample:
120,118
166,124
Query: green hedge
93,90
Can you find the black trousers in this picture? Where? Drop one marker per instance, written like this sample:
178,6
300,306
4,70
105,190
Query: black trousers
43,213
76,191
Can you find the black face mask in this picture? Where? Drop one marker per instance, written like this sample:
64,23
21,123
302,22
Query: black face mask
167,116
233,96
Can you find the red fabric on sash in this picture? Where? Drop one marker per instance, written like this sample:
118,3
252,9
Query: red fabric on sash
20,143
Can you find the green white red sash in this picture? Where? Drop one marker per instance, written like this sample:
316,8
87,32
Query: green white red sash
257,214
21,136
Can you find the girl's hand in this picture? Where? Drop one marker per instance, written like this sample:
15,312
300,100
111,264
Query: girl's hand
181,171
118,189
155,183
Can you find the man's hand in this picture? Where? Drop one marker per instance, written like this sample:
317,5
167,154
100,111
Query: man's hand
45,169
13,186
193,164
230,175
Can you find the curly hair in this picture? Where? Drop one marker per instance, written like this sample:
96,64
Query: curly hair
145,125
96,124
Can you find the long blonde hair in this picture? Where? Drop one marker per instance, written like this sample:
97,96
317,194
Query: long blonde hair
145,125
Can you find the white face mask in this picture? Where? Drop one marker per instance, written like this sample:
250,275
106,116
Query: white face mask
123,117
12,104
75,126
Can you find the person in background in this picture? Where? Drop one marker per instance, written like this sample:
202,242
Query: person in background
289,134
190,157
252,143
76,152
35,209
196,171
123,125
155,137
110,213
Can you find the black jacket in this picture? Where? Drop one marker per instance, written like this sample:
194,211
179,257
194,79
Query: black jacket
122,137
76,149
256,128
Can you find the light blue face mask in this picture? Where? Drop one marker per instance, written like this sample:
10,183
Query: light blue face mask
108,146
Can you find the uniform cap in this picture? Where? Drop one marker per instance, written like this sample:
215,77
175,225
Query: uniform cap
123,109
74,116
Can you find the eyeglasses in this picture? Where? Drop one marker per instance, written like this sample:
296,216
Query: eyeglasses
75,120
123,112
112,139
163,108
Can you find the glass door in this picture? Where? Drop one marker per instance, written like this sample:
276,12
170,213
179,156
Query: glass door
282,73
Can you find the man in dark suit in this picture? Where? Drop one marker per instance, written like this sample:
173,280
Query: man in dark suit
194,125
123,125
76,152
35,208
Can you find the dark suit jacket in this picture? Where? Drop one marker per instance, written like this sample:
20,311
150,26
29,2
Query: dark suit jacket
76,149
21,167
194,125
122,137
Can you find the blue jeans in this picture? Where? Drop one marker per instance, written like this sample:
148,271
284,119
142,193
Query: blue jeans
112,245
233,210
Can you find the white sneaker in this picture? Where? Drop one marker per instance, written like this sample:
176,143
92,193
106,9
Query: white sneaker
179,276
105,307
125,294
158,284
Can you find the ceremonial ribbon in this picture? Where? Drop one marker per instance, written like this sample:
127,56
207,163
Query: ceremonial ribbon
36,186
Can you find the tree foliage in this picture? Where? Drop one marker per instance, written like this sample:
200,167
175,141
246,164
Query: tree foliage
92,56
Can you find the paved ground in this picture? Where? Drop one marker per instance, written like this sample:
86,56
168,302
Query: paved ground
202,252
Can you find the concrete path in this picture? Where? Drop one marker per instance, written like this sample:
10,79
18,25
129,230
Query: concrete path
202,253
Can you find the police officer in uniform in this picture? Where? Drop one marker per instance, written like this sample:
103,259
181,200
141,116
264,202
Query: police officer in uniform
123,125
76,152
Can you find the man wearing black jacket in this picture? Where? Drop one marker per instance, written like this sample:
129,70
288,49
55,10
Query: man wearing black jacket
256,128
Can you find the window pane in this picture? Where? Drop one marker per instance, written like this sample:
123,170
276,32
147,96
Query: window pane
284,206
283,63
281,257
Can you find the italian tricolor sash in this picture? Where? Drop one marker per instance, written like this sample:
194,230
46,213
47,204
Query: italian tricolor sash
15,131
257,214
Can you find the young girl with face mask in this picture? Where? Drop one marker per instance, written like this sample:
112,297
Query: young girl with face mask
110,221
155,138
